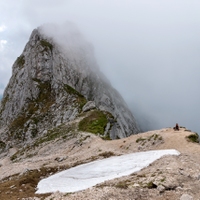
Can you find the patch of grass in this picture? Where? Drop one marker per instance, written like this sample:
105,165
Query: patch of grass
151,185
23,186
46,45
122,185
71,90
84,138
163,179
14,156
107,154
17,155
107,137
152,137
17,125
43,102
2,145
57,132
81,100
193,138
45,96
155,136
160,138
140,139
141,175
20,61
36,80
63,132
94,123
34,133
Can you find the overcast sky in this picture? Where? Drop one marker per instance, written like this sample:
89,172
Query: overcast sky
148,49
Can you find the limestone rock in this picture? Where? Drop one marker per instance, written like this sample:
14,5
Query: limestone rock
89,106
186,197
52,80
161,188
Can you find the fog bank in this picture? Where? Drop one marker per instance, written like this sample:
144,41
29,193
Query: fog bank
149,50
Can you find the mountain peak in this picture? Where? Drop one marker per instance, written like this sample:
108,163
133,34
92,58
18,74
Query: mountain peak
53,78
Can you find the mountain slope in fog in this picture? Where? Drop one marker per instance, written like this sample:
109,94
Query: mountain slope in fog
54,80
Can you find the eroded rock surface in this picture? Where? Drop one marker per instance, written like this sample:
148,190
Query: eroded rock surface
52,80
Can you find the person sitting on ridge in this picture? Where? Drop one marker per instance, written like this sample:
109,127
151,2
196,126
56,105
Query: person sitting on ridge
176,128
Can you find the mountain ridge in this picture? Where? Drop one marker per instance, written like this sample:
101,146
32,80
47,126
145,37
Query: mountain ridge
170,177
59,111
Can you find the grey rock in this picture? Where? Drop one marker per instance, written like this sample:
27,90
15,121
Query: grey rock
52,80
107,129
186,197
161,188
60,159
89,106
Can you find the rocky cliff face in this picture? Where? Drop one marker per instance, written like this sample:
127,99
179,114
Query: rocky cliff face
53,81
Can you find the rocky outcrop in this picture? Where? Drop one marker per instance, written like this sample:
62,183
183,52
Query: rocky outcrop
54,77
89,106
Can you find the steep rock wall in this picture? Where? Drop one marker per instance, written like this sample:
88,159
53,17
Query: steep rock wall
52,80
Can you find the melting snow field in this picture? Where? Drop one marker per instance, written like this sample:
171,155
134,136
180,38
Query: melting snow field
87,175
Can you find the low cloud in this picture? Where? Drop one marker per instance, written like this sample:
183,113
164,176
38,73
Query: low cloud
2,28
2,44
148,50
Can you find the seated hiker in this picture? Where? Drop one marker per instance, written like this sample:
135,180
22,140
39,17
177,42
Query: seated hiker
176,128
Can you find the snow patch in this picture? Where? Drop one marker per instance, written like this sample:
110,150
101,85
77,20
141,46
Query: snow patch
87,175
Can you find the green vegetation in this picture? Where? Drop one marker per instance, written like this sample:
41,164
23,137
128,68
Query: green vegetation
152,138
140,139
34,132
43,102
71,90
81,100
193,138
106,137
155,137
14,156
107,154
45,96
151,185
25,183
21,61
18,123
62,131
163,179
2,145
46,45
94,123
187,130
3,103
122,184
